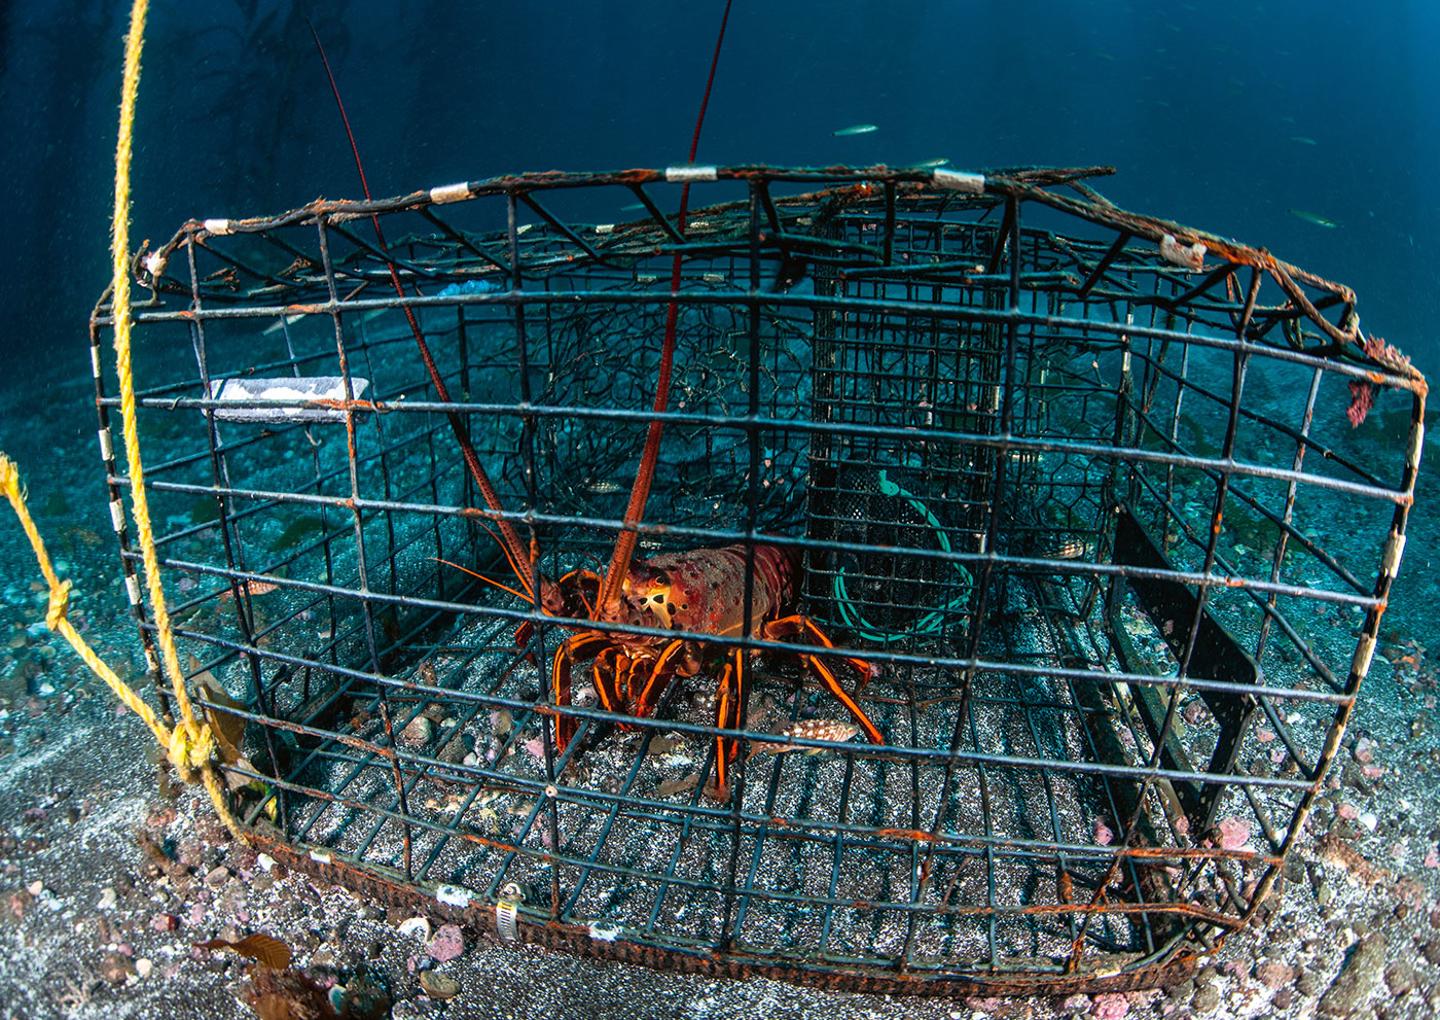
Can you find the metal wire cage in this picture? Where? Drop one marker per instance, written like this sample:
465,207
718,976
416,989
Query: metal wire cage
1082,486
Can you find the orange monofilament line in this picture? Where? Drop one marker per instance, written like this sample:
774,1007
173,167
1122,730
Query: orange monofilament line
510,541
640,492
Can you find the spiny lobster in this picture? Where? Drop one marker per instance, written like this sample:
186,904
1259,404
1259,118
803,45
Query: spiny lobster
701,591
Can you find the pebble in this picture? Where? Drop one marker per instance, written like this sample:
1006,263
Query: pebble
1207,999
107,898
143,967
417,732
217,876
1274,973
416,927
1357,980
116,968
439,986
1400,978
447,944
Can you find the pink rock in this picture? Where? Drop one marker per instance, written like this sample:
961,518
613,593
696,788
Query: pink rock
1103,835
1372,771
1275,974
1348,812
1432,858
1193,712
1264,736
197,914
535,748
164,922
1182,825
1077,1001
1234,834
1109,1006
447,944
1364,750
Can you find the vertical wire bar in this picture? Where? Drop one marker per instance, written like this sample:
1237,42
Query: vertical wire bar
120,523
362,566
316,463
527,455
752,508
997,491
234,548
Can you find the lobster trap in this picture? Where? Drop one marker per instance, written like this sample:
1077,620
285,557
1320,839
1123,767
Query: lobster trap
1071,503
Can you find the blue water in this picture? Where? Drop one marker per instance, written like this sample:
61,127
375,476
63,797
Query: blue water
1198,105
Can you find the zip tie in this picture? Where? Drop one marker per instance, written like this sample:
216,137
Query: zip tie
1360,666
958,180
685,174
1394,549
219,227
604,932
1187,256
450,193
452,896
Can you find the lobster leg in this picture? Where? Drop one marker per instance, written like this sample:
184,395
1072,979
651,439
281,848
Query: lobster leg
654,684
605,670
729,697
795,624
789,626
565,654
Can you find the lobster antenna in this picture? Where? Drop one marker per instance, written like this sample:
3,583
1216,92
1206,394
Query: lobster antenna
645,474
510,541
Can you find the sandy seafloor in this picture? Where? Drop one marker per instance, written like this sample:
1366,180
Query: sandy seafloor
90,926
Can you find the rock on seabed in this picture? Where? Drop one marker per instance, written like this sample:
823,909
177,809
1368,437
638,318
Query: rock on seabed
1357,980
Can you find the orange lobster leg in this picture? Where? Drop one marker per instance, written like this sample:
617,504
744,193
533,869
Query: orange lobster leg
729,698
655,683
605,670
565,654
797,624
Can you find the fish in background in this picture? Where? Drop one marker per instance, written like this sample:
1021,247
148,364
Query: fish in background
1315,218
855,129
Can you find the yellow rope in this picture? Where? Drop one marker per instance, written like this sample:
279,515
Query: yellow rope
190,744
59,600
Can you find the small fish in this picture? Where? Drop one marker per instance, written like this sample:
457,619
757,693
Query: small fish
280,324
295,532
855,129
930,164
810,729
633,207
1315,218
469,287
251,588
1303,140
605,488
1068,548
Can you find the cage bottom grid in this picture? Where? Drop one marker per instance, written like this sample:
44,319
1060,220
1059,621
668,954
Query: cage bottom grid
831,860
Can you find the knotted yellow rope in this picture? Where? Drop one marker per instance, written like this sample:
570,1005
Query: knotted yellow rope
190,744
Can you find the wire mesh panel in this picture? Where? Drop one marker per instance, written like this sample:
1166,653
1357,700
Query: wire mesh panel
1010,570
